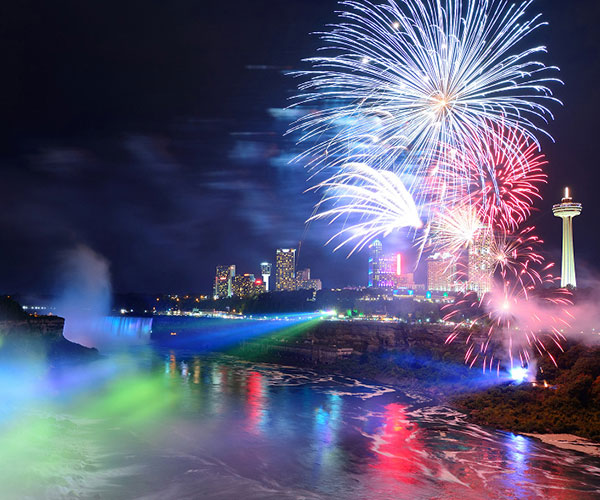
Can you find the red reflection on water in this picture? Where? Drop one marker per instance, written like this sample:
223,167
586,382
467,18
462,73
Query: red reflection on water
255,401
397,446
223,379
196,370
172,364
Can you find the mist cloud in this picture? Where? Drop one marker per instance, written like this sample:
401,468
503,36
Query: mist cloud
83,293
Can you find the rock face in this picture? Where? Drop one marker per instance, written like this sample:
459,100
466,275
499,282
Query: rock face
330,340
43,327
371,336
40,337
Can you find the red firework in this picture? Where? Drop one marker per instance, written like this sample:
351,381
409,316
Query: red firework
517,255
524,316
501,178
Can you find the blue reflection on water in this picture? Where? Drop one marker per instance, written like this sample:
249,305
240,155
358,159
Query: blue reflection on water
244,427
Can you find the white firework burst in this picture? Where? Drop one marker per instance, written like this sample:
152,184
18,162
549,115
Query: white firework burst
376,200
401,82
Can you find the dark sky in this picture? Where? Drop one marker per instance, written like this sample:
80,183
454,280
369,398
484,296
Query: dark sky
151,131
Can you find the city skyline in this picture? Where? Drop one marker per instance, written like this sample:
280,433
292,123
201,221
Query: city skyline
473,269
221,171
300,249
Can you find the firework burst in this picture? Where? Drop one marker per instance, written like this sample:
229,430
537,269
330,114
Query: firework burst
513,316
454,230
501,183
402,82
377,199
517,256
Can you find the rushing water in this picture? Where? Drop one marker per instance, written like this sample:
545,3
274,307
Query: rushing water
162,424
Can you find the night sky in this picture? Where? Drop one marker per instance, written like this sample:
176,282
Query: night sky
152,132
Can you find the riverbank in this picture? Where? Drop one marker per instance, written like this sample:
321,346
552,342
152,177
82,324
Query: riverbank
568,442
435,372
30,337
565,399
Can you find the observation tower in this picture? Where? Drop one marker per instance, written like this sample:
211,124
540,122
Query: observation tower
265,269
566,210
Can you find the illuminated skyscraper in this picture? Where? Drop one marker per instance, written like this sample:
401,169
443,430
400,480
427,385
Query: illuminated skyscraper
305,282
401,279
245,285
265,269
224,281
566,210
480,265
442,273
385,270
375,255
303,275
285,269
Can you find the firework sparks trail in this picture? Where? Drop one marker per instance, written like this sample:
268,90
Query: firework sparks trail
454,230
377,198
502,184
401,83
512,313
517,256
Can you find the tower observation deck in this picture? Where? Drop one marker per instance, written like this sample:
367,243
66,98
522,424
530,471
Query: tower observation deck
566,210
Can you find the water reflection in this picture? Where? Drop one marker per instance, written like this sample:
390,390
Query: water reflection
397,446
173,425
256,400
303,431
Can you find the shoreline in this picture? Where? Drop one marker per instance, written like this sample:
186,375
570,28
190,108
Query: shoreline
567,442
437,395
444,393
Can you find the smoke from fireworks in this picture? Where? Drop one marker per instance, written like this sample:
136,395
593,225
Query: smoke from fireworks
514,313
429,110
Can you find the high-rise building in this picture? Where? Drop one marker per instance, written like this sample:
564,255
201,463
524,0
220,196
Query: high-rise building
480,264
566,210
303,274
304,281
403,279
285,269
224,281
245,285
385,269
265,269
375,254
442,273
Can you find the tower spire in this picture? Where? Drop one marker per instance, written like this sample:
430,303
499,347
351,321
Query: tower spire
566,210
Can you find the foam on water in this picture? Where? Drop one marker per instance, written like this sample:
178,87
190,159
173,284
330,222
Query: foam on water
183,426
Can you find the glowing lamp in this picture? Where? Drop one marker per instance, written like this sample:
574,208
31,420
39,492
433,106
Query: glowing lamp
519,374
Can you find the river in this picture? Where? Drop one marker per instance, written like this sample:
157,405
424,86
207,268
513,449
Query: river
171,424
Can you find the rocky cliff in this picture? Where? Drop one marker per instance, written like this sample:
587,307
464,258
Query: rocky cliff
328,341
371,336
39,337
43,327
